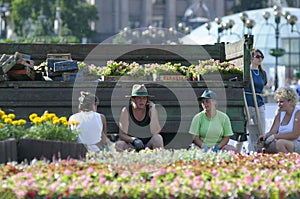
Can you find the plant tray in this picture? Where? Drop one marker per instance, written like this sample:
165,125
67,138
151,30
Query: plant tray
8,150
32,148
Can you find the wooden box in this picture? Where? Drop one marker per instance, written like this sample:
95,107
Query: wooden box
59,56
63,66
7,62
25,74
53,58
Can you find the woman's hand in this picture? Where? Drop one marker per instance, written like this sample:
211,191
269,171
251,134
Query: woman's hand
270,139
151,104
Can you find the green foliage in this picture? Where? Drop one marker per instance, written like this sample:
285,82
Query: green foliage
76,16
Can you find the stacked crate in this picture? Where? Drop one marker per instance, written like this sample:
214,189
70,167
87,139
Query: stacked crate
61,67
16,67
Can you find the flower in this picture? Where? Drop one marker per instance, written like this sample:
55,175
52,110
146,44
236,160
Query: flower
111,68
11,127
211,66
136,70
133,69
165,69
50,127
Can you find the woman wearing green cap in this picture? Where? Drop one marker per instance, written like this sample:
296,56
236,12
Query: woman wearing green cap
138,124
211,128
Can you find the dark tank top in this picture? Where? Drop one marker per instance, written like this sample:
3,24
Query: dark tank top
139,129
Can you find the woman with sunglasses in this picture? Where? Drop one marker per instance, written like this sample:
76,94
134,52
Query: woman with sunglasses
259,77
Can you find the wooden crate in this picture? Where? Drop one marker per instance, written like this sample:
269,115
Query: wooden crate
7,62
54,58
64,66
25,74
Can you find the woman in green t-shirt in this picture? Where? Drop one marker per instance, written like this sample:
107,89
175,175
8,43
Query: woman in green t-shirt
211,128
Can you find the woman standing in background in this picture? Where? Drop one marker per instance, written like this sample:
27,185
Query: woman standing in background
259,78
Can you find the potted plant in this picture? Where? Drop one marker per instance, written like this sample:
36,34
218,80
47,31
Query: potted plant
166,71
215,70
11,130
45,136
50,136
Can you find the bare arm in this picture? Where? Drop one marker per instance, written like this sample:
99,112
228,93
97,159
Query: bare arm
198,141
104,130
154,123
274,128
123,126
224,142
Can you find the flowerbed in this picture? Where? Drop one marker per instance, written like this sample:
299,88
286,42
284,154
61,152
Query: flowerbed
157,174
113,68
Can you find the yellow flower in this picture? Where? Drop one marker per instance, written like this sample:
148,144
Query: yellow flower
63,119
11,116
37,120
8,120
22,121
55,122
52,115
1,125
15,123
1,113
4,117
43,119
32,116
65,123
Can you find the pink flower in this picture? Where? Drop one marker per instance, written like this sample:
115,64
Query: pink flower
102,180
90,170
67,172
248,179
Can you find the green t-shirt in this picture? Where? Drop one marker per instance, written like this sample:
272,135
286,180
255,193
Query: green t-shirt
211,131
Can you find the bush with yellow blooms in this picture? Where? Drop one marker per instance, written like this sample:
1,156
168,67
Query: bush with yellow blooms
47,126
10,127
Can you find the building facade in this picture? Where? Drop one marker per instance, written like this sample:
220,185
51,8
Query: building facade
115,15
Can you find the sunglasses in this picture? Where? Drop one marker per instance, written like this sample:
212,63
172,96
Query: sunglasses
259,56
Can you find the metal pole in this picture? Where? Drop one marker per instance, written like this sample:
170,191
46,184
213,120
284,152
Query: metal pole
276,57
277,21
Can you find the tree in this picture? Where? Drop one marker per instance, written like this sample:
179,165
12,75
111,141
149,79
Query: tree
76,16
